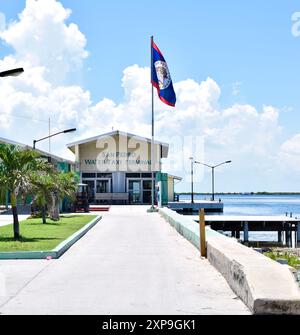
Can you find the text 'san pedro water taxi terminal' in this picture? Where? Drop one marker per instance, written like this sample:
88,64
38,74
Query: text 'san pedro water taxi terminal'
117,167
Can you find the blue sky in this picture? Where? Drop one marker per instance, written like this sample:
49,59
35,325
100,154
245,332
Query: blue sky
243,44
248,42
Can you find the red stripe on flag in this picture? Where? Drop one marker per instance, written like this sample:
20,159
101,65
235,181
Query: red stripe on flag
156,48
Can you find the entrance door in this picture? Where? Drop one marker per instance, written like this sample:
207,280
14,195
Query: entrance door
147,192
135,191
91,189
103,186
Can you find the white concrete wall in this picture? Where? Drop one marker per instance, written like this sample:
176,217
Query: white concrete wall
264,285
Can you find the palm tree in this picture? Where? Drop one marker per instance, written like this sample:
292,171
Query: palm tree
64,186
16,165
42,185
50,187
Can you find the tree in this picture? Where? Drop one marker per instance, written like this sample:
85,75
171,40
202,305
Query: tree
64,186
50,188
16,166
41,187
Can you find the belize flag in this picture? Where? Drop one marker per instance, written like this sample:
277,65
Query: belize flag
161,78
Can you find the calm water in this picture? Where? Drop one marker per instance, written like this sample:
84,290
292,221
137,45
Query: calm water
257,205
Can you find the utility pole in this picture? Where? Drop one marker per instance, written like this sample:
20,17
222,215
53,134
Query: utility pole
49,135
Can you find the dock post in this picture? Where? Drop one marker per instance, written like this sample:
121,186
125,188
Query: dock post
298,235
280,237
289,236
202,233
238,234
246,232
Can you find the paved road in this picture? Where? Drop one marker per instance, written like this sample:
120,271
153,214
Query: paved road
8,219
130,263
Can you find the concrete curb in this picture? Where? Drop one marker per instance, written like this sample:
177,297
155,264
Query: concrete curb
265,286
55,253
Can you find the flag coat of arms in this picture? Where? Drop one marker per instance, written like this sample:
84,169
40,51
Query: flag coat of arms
161,78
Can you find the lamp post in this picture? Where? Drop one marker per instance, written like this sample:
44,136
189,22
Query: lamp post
61,132
12,73
192,179
213,167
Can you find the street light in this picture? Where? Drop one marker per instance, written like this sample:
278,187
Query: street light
12,73
61,132
213,167
192,179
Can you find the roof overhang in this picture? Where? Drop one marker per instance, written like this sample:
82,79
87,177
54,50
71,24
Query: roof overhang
175,177
41,152
165,146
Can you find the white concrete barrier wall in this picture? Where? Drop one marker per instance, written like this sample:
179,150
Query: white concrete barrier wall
264,285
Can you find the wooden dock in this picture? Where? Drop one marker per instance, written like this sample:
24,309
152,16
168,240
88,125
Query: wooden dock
188,207
288,228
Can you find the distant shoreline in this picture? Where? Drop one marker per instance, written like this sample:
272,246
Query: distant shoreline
243,193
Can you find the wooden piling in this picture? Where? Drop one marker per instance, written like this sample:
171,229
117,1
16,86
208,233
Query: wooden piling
202,233
289,237
280,237
246,232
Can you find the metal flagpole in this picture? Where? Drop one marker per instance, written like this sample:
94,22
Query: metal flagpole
152,209
152,143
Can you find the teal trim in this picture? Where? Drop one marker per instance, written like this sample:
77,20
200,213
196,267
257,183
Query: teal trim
163,178
64,167
55,253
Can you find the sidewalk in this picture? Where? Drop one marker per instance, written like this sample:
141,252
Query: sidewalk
8,219
130,263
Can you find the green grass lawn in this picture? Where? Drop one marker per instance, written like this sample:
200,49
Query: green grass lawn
42,237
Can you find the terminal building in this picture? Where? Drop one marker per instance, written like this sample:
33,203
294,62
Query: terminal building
117,168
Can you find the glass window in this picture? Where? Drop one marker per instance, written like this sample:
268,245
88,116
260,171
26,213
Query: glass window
135,192
147,185
102,186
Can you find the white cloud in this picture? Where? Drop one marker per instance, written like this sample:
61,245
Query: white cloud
41,37
240,132
289,155
292,146
50,50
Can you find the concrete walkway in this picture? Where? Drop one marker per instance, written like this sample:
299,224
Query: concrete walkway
8,219
130,263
